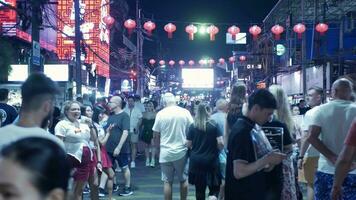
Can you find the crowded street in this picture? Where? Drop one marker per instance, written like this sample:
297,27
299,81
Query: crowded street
153,99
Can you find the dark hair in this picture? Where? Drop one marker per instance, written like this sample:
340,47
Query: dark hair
4,94
83,109
36,89
131,97
302,101
45,160
237,99
262,98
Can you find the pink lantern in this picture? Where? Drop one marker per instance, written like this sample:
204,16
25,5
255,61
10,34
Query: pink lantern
161,62
232,59
212,30
255,31
321,28
152,61
171,62
277,30
242,58
299,29
149,27
191,30
233,30
191,62
181,62
130,25
201,62
221,60
170,28
109,21
211,61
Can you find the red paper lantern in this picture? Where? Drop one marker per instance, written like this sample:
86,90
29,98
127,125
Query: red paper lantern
191,62
242,58
255,31
277,30
109,21
130,25
211,61
201,62
233,30
191,30
299,29
149,27
221,60
170,28
171,62
161,62
212,30
232,59
181,62
321,28
152,61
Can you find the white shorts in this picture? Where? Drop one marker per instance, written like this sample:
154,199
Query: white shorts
180,167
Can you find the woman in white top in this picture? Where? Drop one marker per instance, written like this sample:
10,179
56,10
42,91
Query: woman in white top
76,137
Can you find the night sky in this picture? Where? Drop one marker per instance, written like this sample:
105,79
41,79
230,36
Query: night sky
222,13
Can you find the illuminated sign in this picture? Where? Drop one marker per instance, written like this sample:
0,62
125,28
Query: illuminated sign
95,32
7,14
280,49
57,72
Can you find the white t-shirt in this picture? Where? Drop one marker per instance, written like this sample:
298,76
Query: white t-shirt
335,119
309,115
135,116
12,133
74,138
172,123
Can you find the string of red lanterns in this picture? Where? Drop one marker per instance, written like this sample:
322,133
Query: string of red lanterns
191,29
232,59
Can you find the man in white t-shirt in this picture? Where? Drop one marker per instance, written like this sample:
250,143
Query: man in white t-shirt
38,99
135,122
308,155
171,125
327,133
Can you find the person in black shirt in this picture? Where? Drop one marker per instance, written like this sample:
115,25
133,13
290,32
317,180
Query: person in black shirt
7,113
250,155
204,140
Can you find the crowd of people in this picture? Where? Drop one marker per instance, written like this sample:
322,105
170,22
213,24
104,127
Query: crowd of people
251,146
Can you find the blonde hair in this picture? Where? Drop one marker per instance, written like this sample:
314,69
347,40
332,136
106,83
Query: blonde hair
66,107
202,116
283,112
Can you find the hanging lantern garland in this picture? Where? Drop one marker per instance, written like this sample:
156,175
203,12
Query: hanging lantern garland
152,61
232,59
130,25
212,30
221,60
161,62
321,28
170,28
149,27
191,62
191,30
181,62
255,31
242,58
233,30
299,29
109,21
277,30
171,63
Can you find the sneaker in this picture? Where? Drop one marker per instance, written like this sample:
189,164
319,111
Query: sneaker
86,190
153,163
127,192
147,162
133,164
102,192
115,188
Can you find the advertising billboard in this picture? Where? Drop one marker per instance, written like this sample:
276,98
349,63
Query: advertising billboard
205,80
95,33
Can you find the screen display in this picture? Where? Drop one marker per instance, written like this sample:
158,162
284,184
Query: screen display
18,73
198,78
57,72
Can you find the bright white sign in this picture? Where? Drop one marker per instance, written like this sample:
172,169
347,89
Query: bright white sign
199,78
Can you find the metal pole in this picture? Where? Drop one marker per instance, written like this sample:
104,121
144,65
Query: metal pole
78,36
139,43
304,71
35,34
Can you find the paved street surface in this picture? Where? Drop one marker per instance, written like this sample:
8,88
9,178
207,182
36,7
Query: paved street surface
147,184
